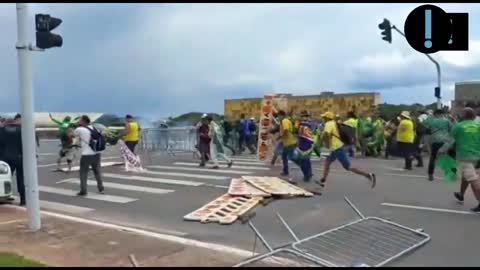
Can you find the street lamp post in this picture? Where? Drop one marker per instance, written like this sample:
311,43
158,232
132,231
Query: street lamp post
387,33
439,73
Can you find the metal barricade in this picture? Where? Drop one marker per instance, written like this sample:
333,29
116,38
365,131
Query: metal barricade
169,140
369,241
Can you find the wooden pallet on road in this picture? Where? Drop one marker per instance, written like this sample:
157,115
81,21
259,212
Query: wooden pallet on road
276,186
224,210
240,187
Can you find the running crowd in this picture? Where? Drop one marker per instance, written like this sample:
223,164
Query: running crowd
407,135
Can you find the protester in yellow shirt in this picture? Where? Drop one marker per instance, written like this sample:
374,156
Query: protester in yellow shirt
352,121
132,133
406,138
332,140
288,140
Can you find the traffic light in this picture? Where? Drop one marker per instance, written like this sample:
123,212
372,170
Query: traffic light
437,92
387,30
44,24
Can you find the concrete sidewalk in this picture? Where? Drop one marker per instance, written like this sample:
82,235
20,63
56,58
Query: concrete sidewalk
63,242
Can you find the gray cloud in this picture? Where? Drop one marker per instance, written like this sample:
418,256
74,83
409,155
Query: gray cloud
162,59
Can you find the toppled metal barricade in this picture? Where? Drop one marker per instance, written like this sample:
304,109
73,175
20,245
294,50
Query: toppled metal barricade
369,241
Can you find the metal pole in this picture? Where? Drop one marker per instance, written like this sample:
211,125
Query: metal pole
28,125
439,74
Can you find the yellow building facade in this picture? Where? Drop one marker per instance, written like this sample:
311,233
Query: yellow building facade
316,105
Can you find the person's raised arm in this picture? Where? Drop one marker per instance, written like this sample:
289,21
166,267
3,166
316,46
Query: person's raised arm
54,120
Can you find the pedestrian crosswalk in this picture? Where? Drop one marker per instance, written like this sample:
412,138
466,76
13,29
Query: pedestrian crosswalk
155,182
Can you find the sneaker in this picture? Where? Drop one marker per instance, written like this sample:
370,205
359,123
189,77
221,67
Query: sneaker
373,179
430,178
230,164
321,181
22,204
101,191
458,197
215,167
81,194
284,174
476,209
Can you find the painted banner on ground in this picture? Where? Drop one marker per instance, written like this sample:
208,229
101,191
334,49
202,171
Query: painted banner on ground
132,161
266,143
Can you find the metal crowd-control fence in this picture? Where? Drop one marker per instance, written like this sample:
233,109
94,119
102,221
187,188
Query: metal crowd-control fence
369,241
169,140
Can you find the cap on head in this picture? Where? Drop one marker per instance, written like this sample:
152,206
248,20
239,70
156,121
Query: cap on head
329,115
204,116
405,114
128,116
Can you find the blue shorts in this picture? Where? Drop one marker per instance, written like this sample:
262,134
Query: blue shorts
342,157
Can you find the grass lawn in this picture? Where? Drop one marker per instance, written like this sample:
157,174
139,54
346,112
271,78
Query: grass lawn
12,260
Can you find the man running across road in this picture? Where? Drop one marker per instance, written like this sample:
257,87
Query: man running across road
305,146
466,136
288,140
332,140
132,131
68,148
216,146
439,128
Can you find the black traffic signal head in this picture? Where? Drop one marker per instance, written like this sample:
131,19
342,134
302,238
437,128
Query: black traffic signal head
437,92
387,30
44,23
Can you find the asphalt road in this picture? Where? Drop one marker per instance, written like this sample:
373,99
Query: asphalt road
158,200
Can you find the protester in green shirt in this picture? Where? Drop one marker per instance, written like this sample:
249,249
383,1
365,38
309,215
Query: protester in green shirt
466,135
439,128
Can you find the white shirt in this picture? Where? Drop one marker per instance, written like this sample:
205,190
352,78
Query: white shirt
84,135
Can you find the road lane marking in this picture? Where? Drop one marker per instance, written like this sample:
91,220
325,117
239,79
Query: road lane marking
100,197
121,186
198,169
427,208
199,176
257,163
76,167
233,167
47,154
56,206
162,236
153,180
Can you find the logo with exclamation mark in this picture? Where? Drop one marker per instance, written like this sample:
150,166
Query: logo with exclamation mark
429,29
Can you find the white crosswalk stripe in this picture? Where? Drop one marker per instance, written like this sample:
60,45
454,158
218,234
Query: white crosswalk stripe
100,197
188,175
152,179
233,167
121,186
62,207
198,169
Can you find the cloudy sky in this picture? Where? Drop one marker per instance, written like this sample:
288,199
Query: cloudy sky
166,59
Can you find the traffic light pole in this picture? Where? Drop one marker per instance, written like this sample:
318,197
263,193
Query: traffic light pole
28,125
439,74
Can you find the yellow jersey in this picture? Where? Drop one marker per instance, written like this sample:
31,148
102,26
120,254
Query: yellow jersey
406,132
331,129
351,122
133,134
287,128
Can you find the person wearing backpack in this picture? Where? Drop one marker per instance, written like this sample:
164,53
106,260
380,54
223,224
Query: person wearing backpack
92,143
334,141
